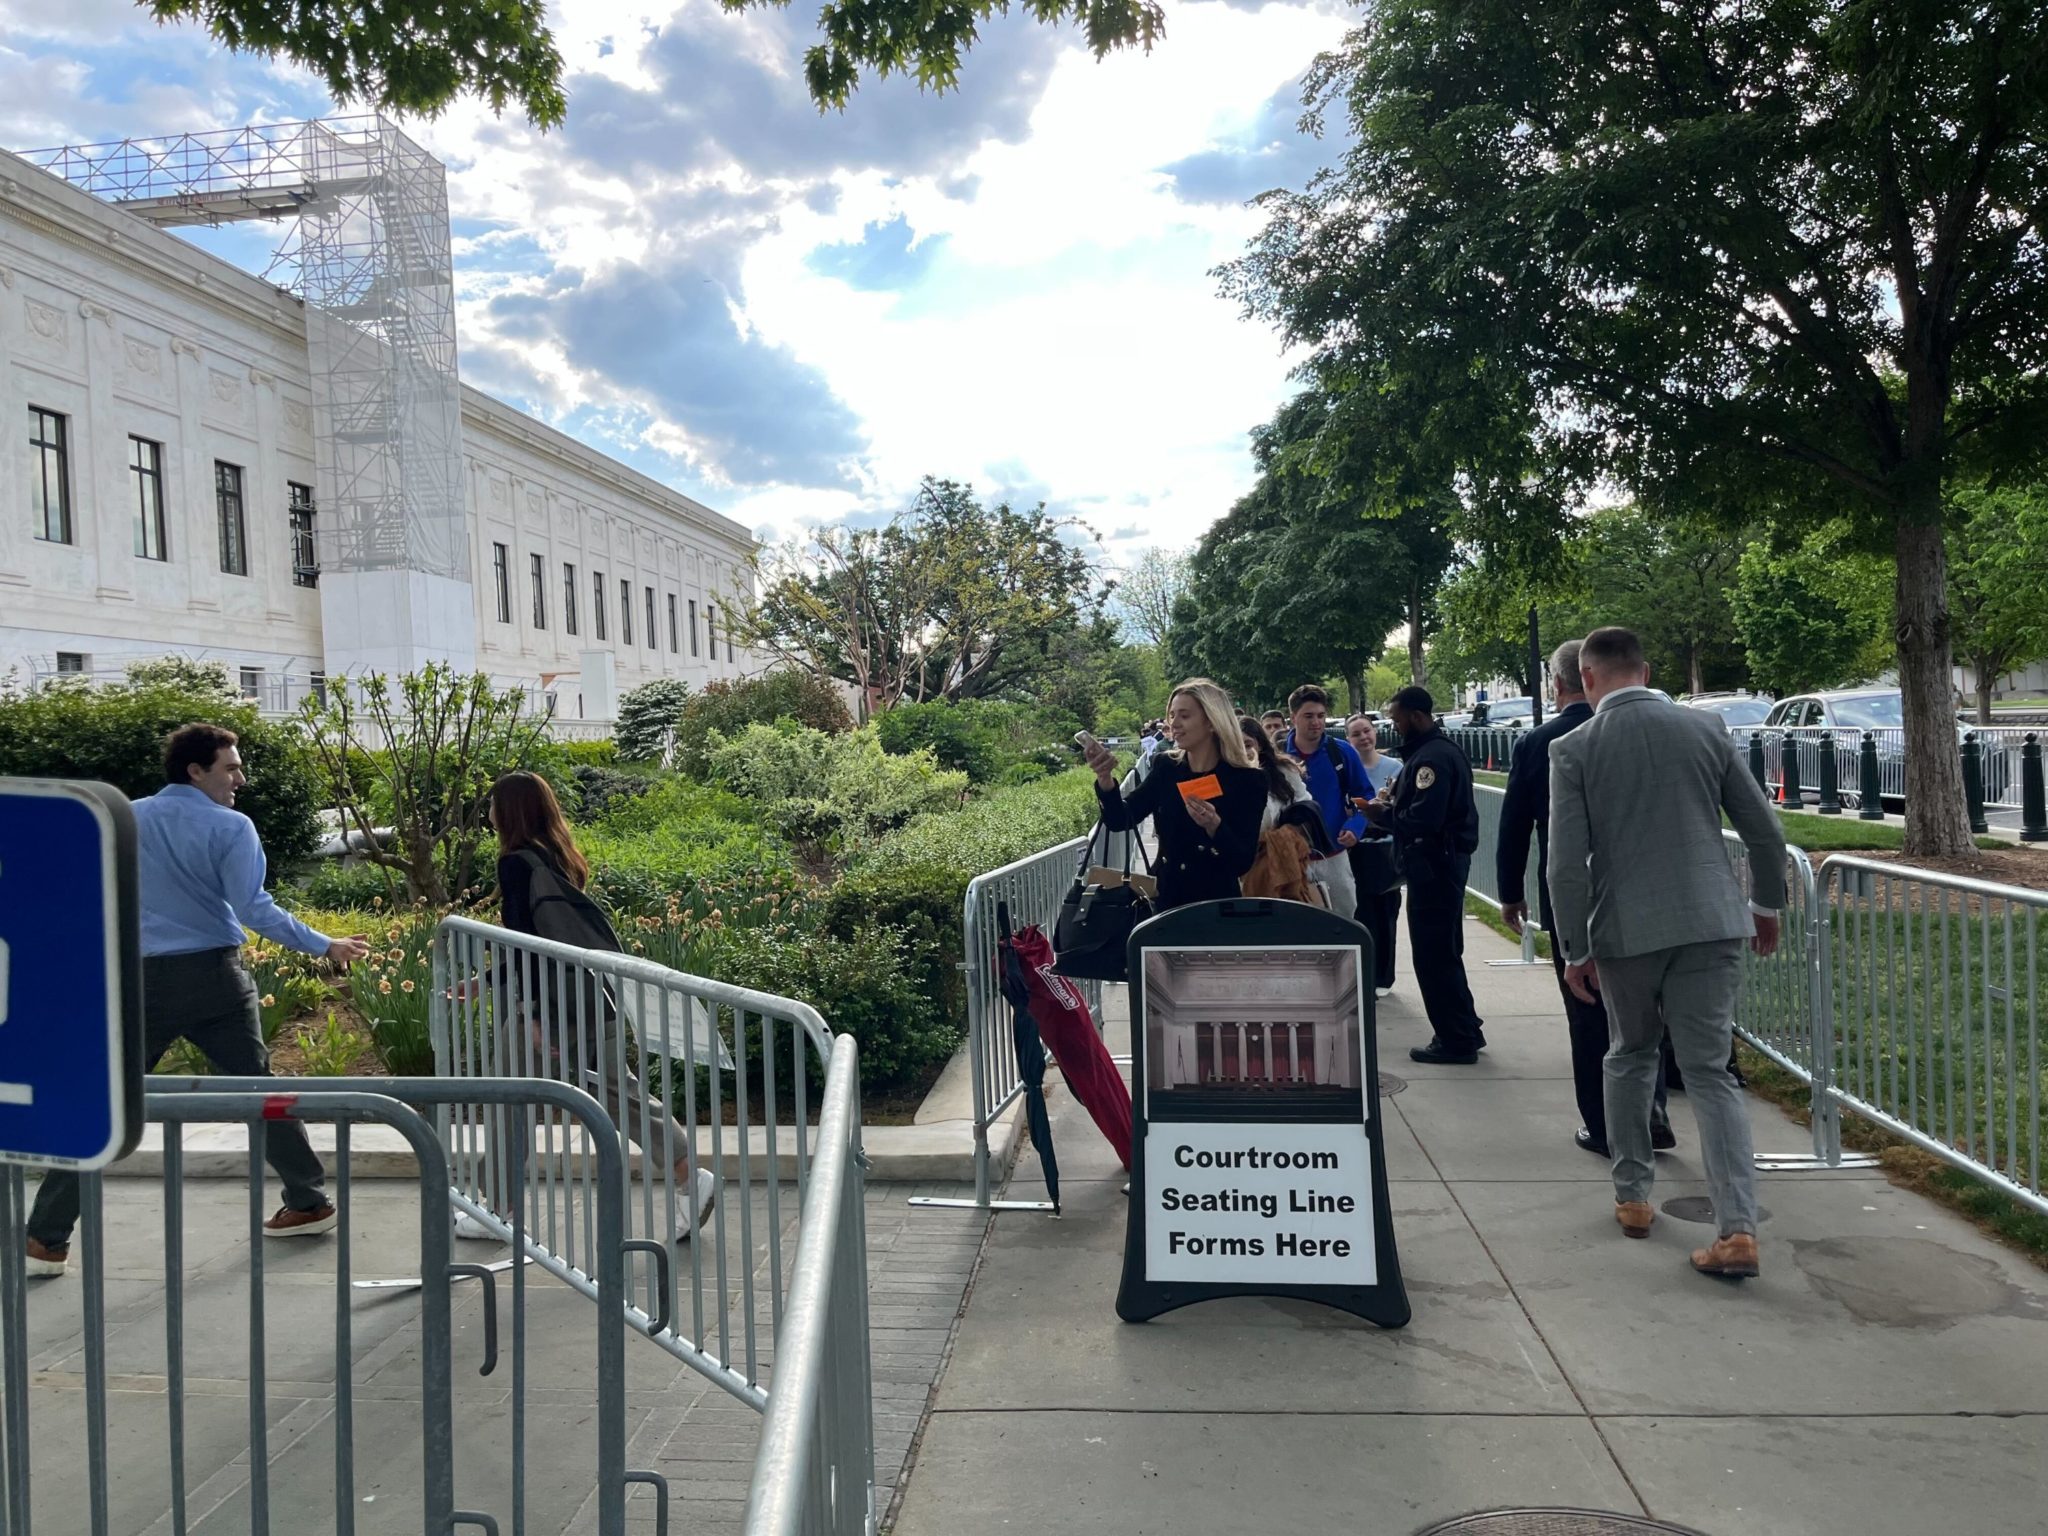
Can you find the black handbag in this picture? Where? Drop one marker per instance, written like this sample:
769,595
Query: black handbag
1376,866
1091,937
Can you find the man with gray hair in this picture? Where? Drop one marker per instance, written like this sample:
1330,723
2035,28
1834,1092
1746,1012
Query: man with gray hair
1650,914
1525,810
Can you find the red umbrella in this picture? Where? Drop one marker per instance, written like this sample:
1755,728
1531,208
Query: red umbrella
1068,1030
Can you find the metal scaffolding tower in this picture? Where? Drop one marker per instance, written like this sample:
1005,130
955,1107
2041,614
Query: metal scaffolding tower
369,253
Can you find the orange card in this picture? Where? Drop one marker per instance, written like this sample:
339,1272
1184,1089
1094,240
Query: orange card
1204,788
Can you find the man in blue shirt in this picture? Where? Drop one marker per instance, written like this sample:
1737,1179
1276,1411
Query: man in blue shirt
1338,782
200,868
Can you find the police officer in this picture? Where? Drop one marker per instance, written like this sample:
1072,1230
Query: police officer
1435,824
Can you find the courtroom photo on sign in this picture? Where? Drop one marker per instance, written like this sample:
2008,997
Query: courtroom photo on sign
1273,1025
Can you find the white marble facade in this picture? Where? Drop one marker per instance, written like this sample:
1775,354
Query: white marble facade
127,332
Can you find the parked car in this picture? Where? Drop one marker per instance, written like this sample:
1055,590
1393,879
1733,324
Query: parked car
1507,714
1849,713
1733,708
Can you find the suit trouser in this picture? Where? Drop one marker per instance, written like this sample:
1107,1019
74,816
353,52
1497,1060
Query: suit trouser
1587,1023
1378,915
208,998
1691,990
1436,935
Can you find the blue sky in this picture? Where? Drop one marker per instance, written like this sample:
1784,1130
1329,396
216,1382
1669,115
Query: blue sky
792,316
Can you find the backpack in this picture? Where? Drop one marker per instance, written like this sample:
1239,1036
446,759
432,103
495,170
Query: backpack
1341,766
563,913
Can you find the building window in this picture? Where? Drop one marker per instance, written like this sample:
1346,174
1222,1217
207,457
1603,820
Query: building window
693,626
234,527
49,475
501,578
538,566
316,684
597,601
652,643
305,558
73,661
674,638
711,627
625,612
252,682
146,469
568,599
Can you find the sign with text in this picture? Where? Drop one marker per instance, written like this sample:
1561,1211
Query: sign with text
1256,1161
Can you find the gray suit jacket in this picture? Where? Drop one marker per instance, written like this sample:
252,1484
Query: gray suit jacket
1637,860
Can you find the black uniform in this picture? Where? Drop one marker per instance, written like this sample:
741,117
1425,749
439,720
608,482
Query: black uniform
1436,827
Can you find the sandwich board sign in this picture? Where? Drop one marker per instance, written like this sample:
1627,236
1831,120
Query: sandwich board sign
1256,1161
70,975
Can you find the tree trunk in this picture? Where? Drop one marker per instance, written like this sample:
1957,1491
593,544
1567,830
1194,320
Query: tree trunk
1986,679
1418,668
1354,688
1692,666
1937,822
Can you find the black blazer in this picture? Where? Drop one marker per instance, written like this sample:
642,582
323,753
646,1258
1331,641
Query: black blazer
1193,866
1528,806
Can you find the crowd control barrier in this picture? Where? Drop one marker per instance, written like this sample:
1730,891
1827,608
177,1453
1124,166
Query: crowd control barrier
1484,880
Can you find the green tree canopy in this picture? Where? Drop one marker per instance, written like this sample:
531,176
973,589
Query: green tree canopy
404,55
1998,581
1813,613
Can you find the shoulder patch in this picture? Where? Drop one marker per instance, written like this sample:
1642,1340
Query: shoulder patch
1424,777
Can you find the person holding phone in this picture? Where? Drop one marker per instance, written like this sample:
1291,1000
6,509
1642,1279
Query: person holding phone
1205,796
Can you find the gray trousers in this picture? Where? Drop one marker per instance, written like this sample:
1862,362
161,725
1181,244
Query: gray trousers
210,999
1689,989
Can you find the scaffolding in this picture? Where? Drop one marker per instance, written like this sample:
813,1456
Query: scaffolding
368,250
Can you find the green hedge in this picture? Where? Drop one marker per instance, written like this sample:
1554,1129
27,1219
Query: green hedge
672,841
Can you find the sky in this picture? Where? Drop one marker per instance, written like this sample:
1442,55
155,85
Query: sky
795,317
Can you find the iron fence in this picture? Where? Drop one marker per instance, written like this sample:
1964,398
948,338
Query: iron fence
700,1076
1999,748
1032,888
814,1471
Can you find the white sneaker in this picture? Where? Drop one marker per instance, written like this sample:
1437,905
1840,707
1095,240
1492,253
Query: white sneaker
1382,991
468,1228
703,1194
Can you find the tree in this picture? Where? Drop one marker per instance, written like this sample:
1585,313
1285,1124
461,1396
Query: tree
1747,257
1146,592
1812,613
646,715
402,55
1998,581
420,758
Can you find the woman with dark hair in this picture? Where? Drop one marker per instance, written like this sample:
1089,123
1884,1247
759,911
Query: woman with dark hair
541,877
1282,867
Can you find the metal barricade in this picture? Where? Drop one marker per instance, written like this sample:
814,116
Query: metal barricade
1032,888
178,1102
734,1073
1484,880
1935,1002
2000,747
814,1471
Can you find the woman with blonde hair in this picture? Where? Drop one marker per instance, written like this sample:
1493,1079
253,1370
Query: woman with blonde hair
1205,795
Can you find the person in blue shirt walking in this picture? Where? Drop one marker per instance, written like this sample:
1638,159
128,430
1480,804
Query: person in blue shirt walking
1338,783
200,870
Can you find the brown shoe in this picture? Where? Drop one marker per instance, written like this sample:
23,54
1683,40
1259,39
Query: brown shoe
1732,1257
1635,1217
49,1259
290,1223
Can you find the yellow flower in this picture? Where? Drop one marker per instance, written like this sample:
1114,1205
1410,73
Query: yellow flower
269,1001
405,987
384,986
398,953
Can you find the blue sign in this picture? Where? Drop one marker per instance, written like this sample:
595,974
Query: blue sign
70,975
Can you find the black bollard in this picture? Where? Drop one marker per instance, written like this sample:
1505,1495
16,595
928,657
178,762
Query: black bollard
1973,781
1830,793
1873,788
2033,794
1788,772
1756,760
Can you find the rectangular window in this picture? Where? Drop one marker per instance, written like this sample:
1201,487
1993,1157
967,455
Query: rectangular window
674,638
146,470
305,558
711,627
72,661
597,601
568,599
234,526
652,643
537,565
49,475
252,682
625,612
693,626
501,578
317,683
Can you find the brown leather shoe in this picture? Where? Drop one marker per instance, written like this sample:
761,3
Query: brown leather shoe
1732,1257
1635,1217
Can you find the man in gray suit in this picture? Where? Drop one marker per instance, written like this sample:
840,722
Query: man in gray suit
1651,915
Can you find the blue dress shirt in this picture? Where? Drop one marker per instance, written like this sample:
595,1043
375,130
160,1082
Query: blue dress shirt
201,867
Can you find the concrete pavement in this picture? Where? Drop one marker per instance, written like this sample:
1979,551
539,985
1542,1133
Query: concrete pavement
1887,1374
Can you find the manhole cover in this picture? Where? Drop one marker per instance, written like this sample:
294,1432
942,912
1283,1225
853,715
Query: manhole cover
1700,1209
1391,1085
1553,1522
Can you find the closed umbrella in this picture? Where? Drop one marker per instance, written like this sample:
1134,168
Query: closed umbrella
1066,1025
1030,1056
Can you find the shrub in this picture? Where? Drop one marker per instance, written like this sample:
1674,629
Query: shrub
730,708
993,830
116,734
922,904
673,840
345,884
826,793
599,790
646,715
981,737
586,754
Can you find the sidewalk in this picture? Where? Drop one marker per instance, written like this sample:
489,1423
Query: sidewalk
1887,1376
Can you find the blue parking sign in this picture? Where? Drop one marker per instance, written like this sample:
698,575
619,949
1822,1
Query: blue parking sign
70,975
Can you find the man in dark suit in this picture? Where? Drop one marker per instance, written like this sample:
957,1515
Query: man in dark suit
1526,809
